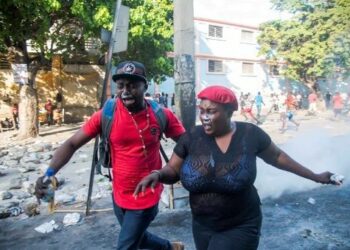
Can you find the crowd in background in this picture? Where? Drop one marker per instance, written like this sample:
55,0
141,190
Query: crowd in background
255,108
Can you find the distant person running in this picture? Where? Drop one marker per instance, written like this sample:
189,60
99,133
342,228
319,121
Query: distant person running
338,104
258,103
312,103
274,103
248,110
286,114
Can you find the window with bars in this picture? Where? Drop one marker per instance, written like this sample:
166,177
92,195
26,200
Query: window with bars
215,31
247,68
215,66
247,36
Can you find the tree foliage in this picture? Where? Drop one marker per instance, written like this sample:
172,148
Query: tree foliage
313,43
151,36
62,26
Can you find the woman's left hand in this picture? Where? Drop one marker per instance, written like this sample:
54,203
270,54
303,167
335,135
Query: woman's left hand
325,178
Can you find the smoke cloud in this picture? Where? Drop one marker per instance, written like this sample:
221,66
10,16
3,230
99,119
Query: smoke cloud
315,149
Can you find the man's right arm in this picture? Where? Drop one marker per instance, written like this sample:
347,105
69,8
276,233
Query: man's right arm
63,154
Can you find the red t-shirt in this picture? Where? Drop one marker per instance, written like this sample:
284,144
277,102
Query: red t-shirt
312,98
337,102
129,163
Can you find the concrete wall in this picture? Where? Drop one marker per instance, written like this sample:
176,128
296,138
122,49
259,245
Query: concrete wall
79,85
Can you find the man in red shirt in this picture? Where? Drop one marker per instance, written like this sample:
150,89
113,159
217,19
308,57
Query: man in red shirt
49,112
134,144
312,103
338,104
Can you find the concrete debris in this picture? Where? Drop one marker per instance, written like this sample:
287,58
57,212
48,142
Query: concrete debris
71,219
63,198
10,203
47,227
28,187
32,157
16,183
83,170
83,156
28,167
11,163
31,209
306,233
3,152
21,195
36,148
312,201
5,195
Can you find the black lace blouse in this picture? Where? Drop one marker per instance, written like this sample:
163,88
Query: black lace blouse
221,187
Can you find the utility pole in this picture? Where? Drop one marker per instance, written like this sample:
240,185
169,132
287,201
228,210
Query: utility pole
103,98
184,68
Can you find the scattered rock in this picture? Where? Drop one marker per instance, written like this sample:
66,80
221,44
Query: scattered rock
47,146
4,214
5,195
31,209
3,152
306,233
21,195
15,183
9,204
36,148
28,167
83,170
32,157
47,227
12,163
312,201
64,198
71,219
28,187
46,156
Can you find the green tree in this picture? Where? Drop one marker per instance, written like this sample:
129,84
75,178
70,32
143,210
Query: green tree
62,27
151,36
313,43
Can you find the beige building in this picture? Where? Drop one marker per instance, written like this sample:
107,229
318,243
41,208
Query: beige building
79,86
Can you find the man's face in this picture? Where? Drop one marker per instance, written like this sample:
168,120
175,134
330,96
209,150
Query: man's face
131,92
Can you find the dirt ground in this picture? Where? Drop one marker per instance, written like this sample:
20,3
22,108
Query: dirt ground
290,221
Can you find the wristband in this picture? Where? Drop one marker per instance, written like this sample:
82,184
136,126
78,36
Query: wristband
157,172
50,171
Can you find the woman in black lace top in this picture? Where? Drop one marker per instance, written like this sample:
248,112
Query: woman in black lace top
216,163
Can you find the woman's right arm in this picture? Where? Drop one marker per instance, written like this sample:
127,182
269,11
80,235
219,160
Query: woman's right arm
169,174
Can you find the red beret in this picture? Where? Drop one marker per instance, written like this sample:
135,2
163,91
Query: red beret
219,94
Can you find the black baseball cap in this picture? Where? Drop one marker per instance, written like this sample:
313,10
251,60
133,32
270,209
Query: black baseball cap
130,69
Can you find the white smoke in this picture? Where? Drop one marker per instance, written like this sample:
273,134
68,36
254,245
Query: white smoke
315,149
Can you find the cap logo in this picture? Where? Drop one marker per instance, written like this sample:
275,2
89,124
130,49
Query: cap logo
129,68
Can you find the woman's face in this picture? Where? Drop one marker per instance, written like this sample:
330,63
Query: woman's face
214,117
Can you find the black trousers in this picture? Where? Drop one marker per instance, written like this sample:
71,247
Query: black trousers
241,237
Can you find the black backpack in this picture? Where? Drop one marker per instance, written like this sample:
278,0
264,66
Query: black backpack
107,118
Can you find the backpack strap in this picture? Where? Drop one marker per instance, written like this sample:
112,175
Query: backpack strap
108,112
160,115
163,123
